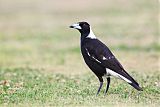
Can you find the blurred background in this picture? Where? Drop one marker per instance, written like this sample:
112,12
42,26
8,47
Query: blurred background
41,62
36,34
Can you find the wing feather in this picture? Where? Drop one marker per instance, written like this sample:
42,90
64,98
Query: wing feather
104,57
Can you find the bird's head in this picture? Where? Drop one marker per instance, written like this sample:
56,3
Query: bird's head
82,27
85,30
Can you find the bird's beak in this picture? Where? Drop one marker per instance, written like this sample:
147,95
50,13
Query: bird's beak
75,26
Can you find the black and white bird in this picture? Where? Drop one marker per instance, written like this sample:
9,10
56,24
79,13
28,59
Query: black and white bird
100,59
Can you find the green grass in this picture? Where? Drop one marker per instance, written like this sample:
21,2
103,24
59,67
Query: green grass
20,86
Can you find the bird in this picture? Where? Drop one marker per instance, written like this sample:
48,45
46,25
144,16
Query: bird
100,59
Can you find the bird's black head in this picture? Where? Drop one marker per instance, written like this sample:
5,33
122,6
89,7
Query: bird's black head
82,27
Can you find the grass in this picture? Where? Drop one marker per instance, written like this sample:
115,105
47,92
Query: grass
40,61
26,85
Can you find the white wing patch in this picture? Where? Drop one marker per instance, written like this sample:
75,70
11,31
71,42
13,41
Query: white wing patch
92,56
104,58
96,59
110,57
112,73
87,52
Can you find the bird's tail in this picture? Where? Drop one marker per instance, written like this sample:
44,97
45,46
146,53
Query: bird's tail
136,85
132,82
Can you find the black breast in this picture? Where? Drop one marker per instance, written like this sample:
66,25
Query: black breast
94,66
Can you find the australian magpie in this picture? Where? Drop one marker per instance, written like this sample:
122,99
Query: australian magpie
100,59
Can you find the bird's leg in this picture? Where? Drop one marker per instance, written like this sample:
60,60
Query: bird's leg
100,86
107,87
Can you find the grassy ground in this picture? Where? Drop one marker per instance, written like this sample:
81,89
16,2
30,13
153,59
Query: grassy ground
26,86
40,61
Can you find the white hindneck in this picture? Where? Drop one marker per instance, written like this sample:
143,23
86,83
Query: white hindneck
91,34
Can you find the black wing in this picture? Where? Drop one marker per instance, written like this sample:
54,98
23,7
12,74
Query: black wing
100,53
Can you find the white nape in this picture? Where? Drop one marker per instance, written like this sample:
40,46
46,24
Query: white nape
91,35
112,73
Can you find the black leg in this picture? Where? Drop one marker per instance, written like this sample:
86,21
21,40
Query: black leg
107,87
100,86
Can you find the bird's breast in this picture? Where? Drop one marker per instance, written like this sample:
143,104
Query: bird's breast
94,66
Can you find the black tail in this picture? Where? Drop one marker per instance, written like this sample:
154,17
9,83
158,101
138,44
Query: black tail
133,82
136,86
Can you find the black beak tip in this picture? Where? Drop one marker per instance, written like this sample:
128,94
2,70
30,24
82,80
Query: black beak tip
71,27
